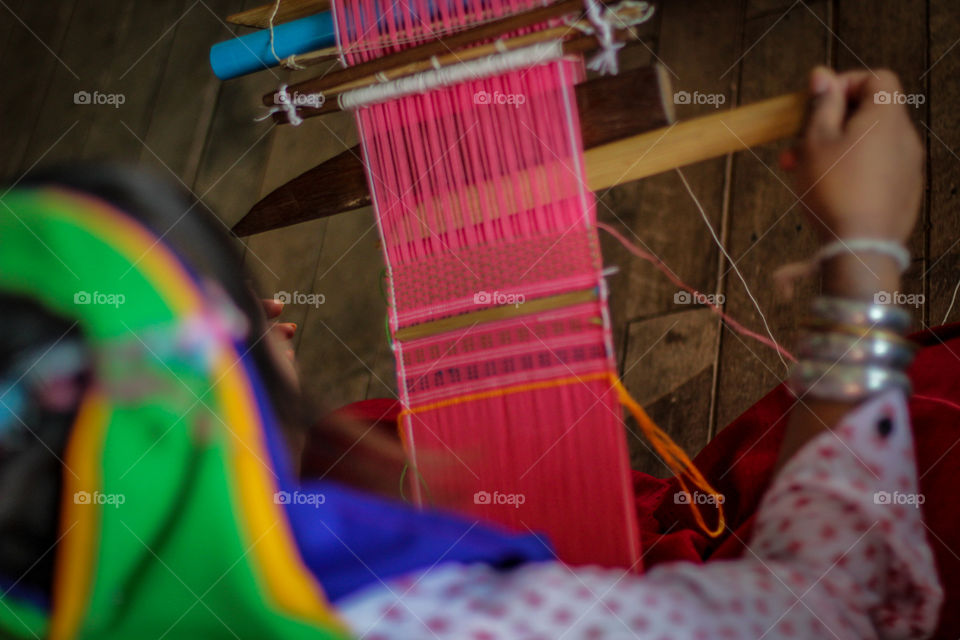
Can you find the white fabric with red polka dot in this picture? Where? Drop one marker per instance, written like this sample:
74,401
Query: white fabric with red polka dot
838,551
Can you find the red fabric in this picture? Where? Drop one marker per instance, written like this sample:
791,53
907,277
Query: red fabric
739,462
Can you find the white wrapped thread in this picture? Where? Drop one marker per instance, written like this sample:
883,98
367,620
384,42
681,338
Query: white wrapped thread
493,65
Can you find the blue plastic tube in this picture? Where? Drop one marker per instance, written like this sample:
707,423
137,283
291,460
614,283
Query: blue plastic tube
251,52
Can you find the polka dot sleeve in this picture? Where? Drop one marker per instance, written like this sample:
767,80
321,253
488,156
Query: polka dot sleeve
839,551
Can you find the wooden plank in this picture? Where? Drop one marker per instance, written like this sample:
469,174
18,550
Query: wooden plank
109,89
134,69
343,343
259,17
187,93
697,42
11,16
766,229
760,8
232,164
32,46
896,39
943,140
669,370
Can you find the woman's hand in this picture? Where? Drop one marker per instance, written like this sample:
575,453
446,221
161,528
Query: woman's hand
859,171
280,339
859,165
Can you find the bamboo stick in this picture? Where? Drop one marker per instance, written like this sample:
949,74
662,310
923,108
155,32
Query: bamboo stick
695,140
259,17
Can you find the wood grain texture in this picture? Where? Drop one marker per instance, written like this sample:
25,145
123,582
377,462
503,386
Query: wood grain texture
12,11
668,368
121,59
943,142
346,334
33,42
698,41
186,97
895,39
259,17
235,154
766,226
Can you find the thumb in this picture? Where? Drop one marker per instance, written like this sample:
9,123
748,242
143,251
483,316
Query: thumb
827,107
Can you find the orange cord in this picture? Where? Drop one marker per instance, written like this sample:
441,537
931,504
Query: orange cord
673,456
676,459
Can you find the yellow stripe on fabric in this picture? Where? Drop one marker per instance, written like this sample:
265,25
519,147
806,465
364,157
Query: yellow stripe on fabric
289,583
286,578
79,525
672,454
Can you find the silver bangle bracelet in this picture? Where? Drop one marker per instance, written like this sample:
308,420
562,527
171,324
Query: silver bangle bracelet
874,348
847,383
852,312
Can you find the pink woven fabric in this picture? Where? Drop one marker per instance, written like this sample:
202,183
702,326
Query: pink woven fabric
481,199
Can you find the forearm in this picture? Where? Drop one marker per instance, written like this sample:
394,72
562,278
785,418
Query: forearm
856,277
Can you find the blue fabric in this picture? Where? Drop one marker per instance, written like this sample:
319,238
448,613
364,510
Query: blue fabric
353,539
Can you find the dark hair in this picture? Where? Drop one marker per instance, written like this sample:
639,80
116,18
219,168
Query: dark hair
33,437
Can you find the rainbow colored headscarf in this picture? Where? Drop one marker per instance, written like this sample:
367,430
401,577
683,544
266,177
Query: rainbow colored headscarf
169,520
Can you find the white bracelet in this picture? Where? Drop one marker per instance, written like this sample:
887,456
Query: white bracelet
858,245
786,275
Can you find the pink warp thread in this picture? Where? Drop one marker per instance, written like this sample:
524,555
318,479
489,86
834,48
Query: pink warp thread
665,270
481,198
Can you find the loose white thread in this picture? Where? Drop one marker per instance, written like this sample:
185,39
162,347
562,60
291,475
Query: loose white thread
952,300
606,61
290,62
733,265
285,105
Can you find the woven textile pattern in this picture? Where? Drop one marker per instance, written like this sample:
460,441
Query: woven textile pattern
481,201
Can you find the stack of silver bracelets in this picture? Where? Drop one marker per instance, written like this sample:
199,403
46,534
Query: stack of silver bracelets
852,350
